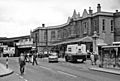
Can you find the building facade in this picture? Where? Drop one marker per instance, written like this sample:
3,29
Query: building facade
24,45
15,45
79,29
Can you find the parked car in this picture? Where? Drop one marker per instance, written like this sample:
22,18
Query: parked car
53,57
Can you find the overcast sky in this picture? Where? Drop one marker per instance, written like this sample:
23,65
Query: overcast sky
18,17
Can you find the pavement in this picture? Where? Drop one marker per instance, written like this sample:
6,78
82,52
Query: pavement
5,71
97,68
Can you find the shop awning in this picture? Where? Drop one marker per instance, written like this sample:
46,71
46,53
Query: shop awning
85,39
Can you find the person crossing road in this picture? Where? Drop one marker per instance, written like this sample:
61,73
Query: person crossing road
22,63
35,59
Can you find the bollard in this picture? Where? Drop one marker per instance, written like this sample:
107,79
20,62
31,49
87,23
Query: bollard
7,62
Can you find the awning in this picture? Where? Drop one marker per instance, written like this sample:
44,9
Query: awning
110,46
100,42
85,39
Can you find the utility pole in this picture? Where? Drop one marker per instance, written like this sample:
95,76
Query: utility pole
36,41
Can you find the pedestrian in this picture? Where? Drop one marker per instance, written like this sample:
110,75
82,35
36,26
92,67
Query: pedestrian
22,63
95,58
34,59
92,58
7,62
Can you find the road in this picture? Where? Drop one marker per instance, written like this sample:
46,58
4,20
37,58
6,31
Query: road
61,71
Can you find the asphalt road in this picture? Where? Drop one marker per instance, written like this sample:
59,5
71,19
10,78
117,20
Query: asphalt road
61,71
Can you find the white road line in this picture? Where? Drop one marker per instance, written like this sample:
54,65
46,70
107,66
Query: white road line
46,68
58,71
17,74
21,77
25,80
67,73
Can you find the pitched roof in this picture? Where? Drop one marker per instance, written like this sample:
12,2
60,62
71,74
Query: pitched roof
85,13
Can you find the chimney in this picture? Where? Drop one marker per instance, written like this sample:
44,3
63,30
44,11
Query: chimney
98,8
90,11
43,25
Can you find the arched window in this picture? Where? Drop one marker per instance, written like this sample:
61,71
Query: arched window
59,34
112,26
52,35
45,35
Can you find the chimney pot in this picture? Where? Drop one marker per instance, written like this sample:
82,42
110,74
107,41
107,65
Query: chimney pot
90,11
116,11
98,8
43,25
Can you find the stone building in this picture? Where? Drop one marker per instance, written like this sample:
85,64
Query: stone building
79,29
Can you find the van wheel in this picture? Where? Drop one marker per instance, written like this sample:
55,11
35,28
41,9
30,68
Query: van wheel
66,59
82,61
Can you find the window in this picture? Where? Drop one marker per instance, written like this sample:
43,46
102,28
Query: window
112,28
85,27
45,35
65,33
53,35
103,24
58,34
69,31
69,49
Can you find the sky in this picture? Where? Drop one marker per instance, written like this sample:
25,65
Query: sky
18,17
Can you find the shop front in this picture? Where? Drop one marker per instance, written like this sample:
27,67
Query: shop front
110,57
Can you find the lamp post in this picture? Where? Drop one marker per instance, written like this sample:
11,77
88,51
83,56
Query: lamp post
47,40
95,36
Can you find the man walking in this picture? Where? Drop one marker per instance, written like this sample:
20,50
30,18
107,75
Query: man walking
34,59
22,63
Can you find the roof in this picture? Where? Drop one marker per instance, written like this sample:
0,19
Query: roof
14,38
85,39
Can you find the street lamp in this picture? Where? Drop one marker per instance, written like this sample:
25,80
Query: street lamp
46,40
95,36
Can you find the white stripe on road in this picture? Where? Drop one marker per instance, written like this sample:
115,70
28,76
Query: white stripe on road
67,73
21,77
58,71
25,80
46,68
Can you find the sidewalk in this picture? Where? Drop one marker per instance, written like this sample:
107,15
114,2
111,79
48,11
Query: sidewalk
4,71
107,70
96,67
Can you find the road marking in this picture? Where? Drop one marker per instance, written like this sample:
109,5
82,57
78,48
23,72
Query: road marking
21,77
58,71
45,68
67,73
17,74
25,80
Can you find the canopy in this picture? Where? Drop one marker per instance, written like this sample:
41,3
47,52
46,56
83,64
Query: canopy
85,39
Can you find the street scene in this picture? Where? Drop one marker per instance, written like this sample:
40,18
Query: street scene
59,40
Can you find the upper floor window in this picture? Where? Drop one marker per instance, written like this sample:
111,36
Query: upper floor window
45,36
85,27
112,25
52,35
36,37
69,31
103,24
59,34
65,33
